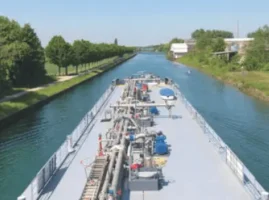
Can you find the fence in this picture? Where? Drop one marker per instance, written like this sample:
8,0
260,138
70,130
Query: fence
34,189
236,165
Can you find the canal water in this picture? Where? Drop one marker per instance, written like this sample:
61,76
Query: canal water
241,121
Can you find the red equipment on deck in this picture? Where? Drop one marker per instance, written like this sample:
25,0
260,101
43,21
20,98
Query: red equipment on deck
145,87
100,146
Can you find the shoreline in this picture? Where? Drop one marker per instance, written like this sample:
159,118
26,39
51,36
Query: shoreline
32,100
239,83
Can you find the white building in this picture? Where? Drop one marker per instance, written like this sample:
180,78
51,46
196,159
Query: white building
178,49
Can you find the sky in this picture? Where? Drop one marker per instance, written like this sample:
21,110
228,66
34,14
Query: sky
134,22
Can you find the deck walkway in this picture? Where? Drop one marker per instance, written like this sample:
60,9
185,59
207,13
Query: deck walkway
194,169
70,179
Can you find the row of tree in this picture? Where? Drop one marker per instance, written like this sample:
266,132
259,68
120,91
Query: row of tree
211,33
22,57
81,52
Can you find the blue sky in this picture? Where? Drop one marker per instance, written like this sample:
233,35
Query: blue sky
134,22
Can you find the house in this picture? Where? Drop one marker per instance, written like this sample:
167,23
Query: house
178,49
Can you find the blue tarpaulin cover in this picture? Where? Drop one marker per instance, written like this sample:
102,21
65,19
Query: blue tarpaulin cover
154,110
167,92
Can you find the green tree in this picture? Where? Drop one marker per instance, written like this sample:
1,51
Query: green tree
59,53
33,68
203,42
176,40
257,54
21,53
198,33
218,45
116,41
211,34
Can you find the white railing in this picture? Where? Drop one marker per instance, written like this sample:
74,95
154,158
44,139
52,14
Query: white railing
236,165
34,189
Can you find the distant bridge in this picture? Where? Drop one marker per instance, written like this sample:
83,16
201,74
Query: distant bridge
237,44
148,49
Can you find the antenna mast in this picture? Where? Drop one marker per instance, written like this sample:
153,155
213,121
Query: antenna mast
237,30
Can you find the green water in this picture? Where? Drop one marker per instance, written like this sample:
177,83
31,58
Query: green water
241,121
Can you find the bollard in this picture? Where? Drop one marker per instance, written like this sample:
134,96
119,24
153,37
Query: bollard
21,198
70,144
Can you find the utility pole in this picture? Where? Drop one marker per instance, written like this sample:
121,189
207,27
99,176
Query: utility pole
237,29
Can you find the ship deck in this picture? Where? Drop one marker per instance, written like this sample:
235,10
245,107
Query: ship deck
69,181
194,169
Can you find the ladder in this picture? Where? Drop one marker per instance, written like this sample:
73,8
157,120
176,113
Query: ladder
95,179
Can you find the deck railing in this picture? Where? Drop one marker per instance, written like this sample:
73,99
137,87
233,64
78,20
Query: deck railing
35,188
236,165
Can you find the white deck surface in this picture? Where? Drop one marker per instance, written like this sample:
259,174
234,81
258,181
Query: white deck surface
70,185
194,169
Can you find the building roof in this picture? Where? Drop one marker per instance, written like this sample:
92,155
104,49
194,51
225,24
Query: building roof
179,47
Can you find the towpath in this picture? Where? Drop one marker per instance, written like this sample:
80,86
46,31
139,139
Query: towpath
19,94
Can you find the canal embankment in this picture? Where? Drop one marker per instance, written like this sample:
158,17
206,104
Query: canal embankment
14,109
253,83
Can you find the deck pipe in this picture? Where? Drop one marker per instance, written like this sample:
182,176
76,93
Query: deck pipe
110,167
141,135
118,167
112,160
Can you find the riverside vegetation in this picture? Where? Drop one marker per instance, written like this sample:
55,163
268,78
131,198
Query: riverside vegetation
8,108
248,72
24,63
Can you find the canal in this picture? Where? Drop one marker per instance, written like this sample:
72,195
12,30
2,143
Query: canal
241,121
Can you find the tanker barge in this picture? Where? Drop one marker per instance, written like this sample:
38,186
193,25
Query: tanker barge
143,140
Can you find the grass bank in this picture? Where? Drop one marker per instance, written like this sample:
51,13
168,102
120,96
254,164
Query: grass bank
254,83
14,109
52,70
53,76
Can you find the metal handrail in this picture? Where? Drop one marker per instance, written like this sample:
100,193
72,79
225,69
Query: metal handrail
239,169
38,183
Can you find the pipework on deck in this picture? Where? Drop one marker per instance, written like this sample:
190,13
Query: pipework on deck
131,116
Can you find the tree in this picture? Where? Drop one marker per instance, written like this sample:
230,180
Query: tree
203,42
33,67
77,53
176,40
198,33
12,50
218,45
211,34
59,53
116,41
21,53
257,54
